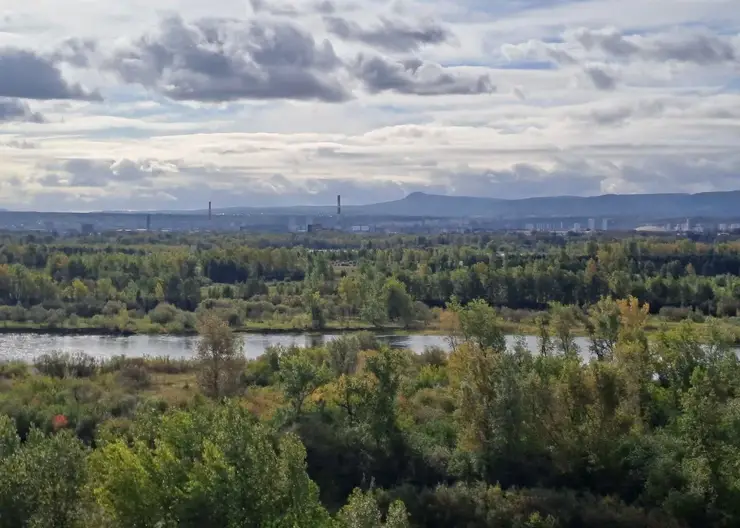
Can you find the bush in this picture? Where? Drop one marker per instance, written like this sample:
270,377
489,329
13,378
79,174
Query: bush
17,314
113,308
135,376
6,313
56,318
163,313
434,356
674,314
366,341
13,370
37,314
160,365
258,372
53,364
64,365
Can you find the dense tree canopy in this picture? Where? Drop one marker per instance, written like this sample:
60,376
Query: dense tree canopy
635,431
158,283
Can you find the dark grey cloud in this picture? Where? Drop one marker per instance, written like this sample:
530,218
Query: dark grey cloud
612,47
233,187
225,60
21,144
600,78
610,41
27,75
389,35
616,115
78,172
416,77
696,48
17,110
522,180
321,7
664,173
75,51
654,174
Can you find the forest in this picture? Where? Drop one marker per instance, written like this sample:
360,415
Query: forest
154,283
642,431
641,427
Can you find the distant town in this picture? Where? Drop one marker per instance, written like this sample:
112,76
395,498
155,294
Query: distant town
411,215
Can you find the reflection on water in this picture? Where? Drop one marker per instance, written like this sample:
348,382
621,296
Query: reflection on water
28,346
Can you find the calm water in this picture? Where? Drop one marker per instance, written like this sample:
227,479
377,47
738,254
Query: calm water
29,346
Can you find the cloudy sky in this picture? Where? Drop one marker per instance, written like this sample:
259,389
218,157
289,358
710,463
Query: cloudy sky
171,103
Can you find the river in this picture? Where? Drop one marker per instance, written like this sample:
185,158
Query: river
26,347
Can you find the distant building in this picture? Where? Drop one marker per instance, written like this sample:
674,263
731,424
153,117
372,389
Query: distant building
651,229
576,227
592,224
87,229
605,224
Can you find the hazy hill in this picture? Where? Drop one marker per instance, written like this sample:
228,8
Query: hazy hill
610,205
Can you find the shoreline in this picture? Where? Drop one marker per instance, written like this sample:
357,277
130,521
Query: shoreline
106,332
509,328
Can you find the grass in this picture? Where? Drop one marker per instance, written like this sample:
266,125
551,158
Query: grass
175,389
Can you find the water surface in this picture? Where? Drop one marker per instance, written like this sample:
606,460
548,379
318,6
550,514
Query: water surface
29,346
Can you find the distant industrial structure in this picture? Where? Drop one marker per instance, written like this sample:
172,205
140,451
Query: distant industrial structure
561,226
378,218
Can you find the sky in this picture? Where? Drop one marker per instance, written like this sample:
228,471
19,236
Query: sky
169,104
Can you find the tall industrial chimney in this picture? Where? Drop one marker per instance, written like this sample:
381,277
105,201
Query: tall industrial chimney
339,204
209,210
148,222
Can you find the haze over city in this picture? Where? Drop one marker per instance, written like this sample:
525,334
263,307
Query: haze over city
167,104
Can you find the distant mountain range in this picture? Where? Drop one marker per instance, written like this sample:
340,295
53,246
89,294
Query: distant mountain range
713,204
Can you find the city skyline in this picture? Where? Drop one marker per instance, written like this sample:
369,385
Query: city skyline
167,104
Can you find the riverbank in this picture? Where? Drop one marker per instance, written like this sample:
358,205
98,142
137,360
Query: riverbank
142,327
41,329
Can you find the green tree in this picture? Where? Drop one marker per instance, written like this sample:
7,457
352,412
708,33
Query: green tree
314,306
219,355
374,304
563,320
206,467
42,478
603,326
159,292
362,511
299,377
399,304
480,324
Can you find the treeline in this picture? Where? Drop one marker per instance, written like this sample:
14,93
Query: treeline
159,286
356,435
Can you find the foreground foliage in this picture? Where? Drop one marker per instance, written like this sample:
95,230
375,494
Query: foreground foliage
634,431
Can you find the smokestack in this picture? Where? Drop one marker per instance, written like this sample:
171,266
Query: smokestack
209,210
148,222
339,204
